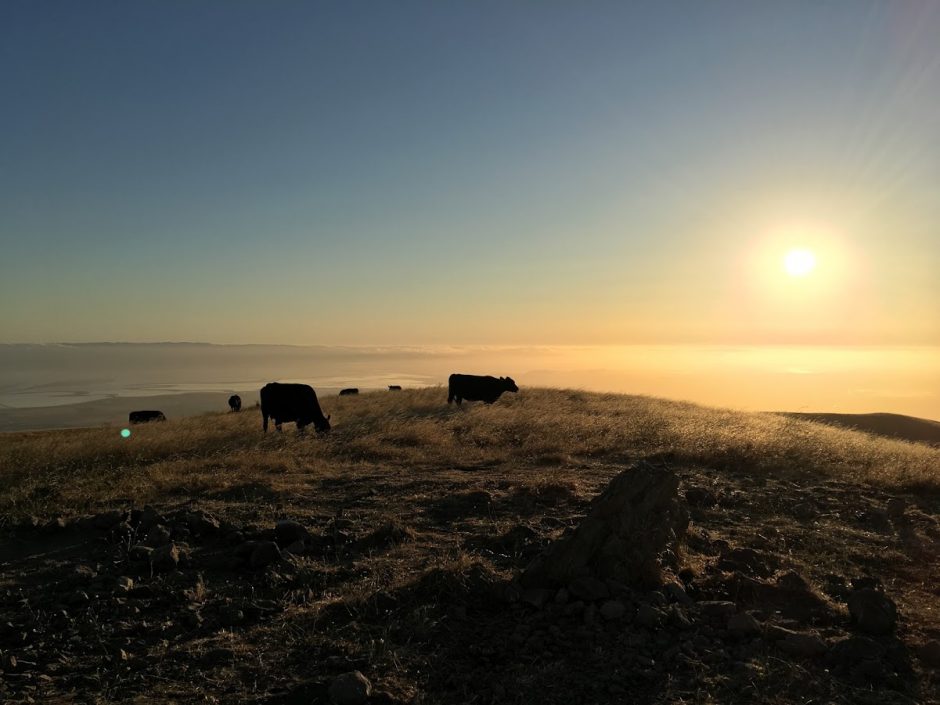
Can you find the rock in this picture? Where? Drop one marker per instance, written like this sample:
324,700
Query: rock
613,609
351,688
124,584
106,520
647,616
561,597
149,518
537,597
84,573
298,548
700,497
743,626
791,580
589,614
677,594
872,611
717,610
809,645
165,559
56,524
202,523
287,532
589,589
157,536
678,618
140,553
633,524
264,554
895,507
929,653
848,652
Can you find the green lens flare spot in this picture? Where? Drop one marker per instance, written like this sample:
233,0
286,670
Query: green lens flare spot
125,433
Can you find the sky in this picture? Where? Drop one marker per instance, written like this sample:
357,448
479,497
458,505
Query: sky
469,172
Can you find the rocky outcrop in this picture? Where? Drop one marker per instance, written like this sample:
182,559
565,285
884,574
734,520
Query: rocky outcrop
632,529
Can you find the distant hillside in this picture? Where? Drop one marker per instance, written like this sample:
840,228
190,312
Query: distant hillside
905,428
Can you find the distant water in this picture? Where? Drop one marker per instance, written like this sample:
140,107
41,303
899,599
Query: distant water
798,378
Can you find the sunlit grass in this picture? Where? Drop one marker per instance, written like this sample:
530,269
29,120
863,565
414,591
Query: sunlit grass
65,472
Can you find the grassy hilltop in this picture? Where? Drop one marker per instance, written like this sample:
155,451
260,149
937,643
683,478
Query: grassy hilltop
419,516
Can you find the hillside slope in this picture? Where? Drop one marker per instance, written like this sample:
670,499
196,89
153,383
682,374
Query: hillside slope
415,518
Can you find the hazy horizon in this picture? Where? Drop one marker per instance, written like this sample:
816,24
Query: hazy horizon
904,380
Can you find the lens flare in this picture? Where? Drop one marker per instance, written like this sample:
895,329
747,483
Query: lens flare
125,433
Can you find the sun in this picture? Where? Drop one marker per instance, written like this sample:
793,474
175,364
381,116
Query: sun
799,262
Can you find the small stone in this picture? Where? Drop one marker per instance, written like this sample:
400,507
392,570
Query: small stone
202,523
647,616
537,597
872,611
84,573
678,618
613,609
803,645
287,532
700,497
718,610
676,593
106,520
157,536
743,626
149,518
140,553
589,589
791,580
895,507
124,584
264,554
165,559
298,548
351,688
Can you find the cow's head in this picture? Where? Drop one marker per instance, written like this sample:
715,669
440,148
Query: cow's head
510,384
323,426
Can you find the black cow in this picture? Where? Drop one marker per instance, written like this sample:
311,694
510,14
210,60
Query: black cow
235,403
476,388
146,416
394,387
348,392
292,402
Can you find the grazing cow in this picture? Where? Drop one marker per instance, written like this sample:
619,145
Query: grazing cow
348,392
146,416
292,402
394,387
477,388
235,403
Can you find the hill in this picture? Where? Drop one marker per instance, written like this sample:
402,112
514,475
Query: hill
149,569
906,428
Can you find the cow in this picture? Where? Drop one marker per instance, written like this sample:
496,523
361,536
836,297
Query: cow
477,388
146,416
235,403
348,392
394,387
292,403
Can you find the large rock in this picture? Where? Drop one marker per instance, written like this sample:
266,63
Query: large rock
633,524
351,688
872,611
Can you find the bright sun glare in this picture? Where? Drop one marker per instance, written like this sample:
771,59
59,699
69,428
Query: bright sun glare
799,263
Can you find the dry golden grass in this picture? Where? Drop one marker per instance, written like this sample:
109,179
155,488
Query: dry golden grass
420,515
48,473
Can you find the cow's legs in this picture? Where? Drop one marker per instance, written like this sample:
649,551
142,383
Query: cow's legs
265,417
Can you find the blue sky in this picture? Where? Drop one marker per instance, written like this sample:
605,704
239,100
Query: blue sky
467,172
